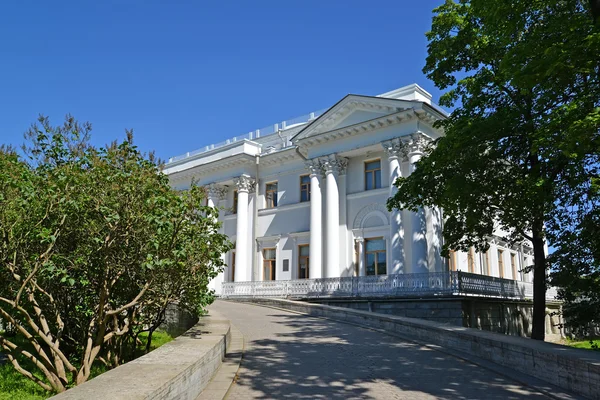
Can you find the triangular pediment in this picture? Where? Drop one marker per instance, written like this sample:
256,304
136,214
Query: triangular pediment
352,110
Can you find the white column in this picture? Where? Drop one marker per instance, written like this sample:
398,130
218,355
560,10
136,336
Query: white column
419,262
333,166
242,245
361,256
395,151
315,269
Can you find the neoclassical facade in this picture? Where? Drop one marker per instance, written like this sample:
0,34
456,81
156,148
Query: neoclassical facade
307,198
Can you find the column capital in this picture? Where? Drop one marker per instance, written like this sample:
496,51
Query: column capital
395,148
334,164
416,143
359,239
245,183
215,191
313,165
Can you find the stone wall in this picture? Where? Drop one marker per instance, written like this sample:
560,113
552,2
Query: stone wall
502,316
180,369
177,320
575,370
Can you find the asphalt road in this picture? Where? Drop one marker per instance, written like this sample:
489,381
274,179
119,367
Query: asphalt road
292,356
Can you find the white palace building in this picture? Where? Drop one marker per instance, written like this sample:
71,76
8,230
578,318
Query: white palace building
305,200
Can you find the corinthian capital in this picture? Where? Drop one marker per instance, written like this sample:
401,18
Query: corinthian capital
395,148
313,165
416,143
245,183
334,164
215,191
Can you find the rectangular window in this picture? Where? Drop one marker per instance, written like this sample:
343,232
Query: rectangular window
303,257
375,258
372,174
452,260
513,265
501,263
471,260
233,266
271,195
269,262
305,188
235,202
485,270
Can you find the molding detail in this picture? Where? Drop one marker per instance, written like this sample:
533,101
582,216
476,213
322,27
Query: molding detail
366,210
245,183
215,191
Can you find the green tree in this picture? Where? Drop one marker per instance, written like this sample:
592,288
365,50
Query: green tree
524,78
91,240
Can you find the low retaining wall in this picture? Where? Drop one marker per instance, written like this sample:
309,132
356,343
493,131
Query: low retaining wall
180,369
575,370
509,317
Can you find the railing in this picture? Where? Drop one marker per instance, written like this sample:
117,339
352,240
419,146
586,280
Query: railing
403,285
266,131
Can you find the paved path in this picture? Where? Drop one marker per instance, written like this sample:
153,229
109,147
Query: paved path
298,357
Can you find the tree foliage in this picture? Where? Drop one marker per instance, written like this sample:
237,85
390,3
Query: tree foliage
524,78
94,244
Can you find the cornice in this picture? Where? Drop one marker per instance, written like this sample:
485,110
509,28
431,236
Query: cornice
280,157
210,168
359,128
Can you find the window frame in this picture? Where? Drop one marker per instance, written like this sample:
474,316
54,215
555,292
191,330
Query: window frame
305,187
272,264
373,174
471,260
513,264
452,261
376,252
500,253
271,202
300,257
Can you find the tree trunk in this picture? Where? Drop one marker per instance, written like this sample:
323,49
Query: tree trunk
149,341
538,331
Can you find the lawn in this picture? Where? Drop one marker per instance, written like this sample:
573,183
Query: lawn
14,386
585,344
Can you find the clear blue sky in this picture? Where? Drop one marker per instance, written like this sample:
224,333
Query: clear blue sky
184,74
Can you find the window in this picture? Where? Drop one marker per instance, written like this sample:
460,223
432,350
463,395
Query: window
235,201
513,265
452,260
375,256
372,175
303,253
501,263
233,266
471,260
271,195
485,270
305,188
269,261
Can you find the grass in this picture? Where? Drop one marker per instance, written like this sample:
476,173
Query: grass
14,386
593,344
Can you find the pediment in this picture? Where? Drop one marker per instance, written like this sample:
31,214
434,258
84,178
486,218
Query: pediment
352,110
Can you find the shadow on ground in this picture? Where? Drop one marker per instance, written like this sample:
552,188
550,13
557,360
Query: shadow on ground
294,356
